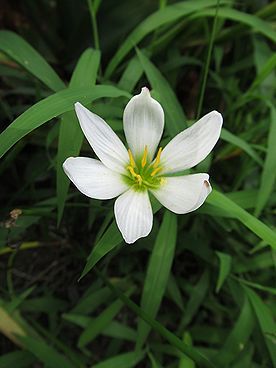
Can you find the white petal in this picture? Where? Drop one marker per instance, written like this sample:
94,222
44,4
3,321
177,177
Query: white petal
93,178
183,194
133,215
192,145
143,123
106,144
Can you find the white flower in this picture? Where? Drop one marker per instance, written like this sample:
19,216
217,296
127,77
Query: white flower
131,174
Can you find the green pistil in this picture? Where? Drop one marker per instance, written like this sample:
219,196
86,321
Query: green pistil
141,174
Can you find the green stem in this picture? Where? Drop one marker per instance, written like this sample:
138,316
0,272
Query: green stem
94,24
205,74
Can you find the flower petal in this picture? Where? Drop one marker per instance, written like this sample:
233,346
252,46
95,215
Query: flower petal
143,123
133,215
191,146
183,194
93,178
106,144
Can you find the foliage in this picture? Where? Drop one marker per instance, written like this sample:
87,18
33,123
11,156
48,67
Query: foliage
199,291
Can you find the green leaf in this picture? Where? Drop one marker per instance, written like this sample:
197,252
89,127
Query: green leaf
263,74
158,272
239,142
51,107
191,352
45,353
219,200
257,24
265,319
269,171
18,359
197,297
97,325
126,360
224,268
160,18
175,118
186,362
131,75
70,134
25,55
238,336
111,238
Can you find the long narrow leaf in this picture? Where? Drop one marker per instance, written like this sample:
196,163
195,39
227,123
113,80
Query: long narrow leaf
70,135
49,108
26,56
158,273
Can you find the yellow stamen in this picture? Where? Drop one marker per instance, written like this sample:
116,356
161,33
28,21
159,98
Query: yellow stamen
136,176
131,159
157,160
144,158
140,180
155,171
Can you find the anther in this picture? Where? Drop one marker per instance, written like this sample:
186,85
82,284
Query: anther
144,158
157,160
131,159
139,179
136,176
155,171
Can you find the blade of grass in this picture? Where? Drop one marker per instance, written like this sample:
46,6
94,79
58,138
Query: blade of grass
268,176
158,272
25,55
111,239
191,352
51,107
234,211
265,319
126,360
45,353
161,17
98,324
241,143
238,336
207,64
70,134
257,24
10,327
224,269
18,359
196,298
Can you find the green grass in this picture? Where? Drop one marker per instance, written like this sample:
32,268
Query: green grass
199,291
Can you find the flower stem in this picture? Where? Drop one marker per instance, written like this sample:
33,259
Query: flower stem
92,11
205,73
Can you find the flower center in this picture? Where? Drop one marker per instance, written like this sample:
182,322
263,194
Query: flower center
143,174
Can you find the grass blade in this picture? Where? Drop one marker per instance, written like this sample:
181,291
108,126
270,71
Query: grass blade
238,336
45,353
126,360
111,238
70,134
219,200
265,319
51,107
269,172
25,55
158,272
191,352
160,18
224,268
98,324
